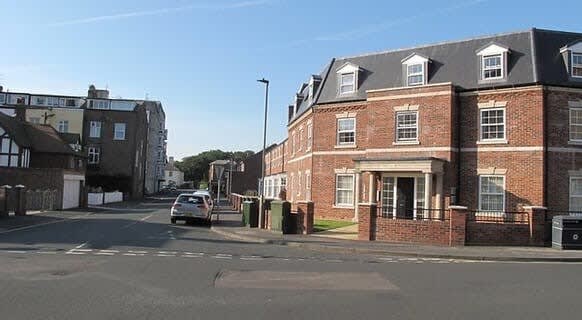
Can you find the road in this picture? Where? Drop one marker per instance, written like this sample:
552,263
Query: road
133,264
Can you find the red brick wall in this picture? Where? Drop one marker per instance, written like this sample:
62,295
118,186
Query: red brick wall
562,156
298,155
412,231
497,233
524,129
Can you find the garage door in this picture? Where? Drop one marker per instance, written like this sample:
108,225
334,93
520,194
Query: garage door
71,193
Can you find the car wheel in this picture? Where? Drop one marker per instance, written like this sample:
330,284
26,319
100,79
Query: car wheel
173,221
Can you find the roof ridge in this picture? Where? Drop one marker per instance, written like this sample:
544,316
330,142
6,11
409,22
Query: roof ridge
436,44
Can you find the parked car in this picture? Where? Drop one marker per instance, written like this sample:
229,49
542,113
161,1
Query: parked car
208,196
190,207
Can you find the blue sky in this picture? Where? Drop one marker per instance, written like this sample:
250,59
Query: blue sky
202,58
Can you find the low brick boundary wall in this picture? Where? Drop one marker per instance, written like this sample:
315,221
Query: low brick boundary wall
454,229
487,233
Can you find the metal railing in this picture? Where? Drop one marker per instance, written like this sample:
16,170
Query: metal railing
518,217
420,214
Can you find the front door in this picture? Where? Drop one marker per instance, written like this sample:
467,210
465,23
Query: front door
405,198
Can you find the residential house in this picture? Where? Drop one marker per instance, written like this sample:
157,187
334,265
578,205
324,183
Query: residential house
38,157
172,175
124,139
492,123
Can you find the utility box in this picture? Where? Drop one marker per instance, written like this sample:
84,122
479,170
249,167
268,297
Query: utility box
251,214
567,232
279,209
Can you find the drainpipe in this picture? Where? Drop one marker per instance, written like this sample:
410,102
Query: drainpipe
546,156
458,120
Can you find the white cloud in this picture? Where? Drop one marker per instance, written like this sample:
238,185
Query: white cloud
162,11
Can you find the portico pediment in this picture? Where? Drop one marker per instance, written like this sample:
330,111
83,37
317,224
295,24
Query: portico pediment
424,165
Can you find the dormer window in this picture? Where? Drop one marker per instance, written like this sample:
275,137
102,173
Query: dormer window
577,65
347,83
415,67
415,74
493,62
348,79
492,67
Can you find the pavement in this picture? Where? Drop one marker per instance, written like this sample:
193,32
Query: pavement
343,242
129,262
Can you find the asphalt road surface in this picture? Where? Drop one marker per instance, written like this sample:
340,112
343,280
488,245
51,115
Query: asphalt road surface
133,264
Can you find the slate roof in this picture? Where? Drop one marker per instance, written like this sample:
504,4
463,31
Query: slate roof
534,58
37,137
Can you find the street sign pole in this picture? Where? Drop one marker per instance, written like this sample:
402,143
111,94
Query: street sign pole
219,171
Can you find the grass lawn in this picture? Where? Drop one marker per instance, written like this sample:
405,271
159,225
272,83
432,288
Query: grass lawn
324,225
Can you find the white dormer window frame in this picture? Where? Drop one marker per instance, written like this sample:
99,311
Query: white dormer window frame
347,83
576,63
348,79
487,67
413,72
493,62
415,69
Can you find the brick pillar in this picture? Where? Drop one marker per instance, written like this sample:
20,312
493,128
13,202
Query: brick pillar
305,209
367,221
537,221
20,209
4,200
458,225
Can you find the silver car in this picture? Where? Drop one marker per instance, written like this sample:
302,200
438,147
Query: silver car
190,207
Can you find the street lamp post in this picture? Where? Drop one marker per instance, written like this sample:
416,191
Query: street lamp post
262,184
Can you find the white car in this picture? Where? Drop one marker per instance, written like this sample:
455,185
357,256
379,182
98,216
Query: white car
190,207
208,197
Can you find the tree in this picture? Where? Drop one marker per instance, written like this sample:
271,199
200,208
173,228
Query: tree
196,167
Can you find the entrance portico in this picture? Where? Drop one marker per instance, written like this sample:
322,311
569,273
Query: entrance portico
402,188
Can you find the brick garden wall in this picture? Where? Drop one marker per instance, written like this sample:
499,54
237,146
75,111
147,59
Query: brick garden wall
411,231
483,233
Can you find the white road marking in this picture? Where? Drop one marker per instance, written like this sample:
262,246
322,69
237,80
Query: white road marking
145,218
198,254
16,251
138,252
81,250
76,253
254,258
168,252
165,255
109,251
104,253
222,256
133,254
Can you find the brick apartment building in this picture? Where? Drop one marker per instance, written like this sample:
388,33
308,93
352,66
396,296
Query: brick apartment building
492,123
124,139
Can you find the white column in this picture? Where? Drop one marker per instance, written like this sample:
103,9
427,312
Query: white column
357,197
427,190
439,191
372,188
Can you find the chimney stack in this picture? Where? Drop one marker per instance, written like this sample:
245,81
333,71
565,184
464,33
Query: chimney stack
95,93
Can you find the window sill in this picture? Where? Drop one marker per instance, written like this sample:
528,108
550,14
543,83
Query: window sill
335,206
346,146
575,143
492,142
405,143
